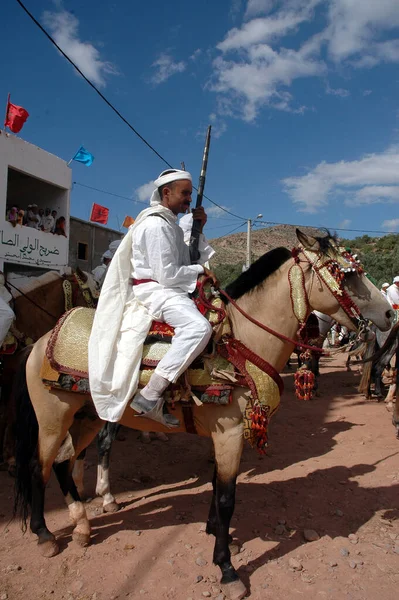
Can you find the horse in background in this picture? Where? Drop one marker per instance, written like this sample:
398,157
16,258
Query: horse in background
387,351
38,303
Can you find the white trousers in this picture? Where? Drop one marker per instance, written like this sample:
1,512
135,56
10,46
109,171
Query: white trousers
192,334
6,318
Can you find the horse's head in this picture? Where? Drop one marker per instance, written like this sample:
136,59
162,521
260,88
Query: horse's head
338,285
83,289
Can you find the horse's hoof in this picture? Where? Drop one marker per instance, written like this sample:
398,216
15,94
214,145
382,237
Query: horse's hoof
49,548
82,539
111,507
235,590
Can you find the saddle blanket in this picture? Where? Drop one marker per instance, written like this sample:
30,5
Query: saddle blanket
66,363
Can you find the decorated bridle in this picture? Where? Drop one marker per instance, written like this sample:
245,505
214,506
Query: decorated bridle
330,268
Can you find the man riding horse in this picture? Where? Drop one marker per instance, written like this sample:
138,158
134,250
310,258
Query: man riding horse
150,278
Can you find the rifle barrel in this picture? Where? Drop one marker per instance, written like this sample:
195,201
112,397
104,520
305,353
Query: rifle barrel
196,228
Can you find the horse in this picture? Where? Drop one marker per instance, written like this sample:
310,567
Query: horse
38,303
385,353
50,436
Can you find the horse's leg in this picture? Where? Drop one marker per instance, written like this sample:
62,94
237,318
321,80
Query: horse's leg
228,448
77,512
104,444
78,473
378,382
211,524
47,542
395,413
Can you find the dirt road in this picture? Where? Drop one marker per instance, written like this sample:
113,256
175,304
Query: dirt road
332,467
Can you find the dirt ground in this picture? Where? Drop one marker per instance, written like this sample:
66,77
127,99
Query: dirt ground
332,466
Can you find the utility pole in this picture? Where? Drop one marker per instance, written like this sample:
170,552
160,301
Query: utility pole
248,261
250,223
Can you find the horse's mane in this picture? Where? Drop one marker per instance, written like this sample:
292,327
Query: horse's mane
267,264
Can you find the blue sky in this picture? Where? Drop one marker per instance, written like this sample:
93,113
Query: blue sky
302,96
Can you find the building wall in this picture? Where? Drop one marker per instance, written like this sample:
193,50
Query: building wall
92,237
29,174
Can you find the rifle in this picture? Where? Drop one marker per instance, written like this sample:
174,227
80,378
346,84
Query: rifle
196,228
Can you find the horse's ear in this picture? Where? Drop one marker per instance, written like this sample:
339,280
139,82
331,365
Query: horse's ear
81,274
308,241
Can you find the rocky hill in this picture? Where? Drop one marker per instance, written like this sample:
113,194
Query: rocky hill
380,256
232,249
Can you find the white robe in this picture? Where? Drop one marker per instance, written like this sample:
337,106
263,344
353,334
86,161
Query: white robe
123,316
393,295
99,274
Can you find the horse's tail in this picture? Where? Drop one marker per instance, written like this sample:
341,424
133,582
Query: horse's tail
26,439
389,342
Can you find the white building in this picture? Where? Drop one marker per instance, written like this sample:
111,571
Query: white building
30,175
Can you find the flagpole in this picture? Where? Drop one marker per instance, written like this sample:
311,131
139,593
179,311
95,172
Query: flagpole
6,115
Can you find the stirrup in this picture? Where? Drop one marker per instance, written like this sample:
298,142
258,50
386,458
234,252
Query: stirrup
158,413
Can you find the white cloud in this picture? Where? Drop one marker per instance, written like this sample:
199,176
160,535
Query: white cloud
165,67
196,54
235,8
343,93
258,7
367,92
263,78
216,211
375,177
391,224
261,59
355,26
219,126
344,224
64,29
143,193
373,194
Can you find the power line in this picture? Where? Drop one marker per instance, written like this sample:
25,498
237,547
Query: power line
235,229
111,106
90,187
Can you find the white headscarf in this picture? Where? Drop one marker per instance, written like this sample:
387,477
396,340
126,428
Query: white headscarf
164,178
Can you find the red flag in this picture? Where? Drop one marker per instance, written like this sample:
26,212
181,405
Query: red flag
15,117
99,214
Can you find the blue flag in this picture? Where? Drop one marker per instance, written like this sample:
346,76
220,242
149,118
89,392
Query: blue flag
83,156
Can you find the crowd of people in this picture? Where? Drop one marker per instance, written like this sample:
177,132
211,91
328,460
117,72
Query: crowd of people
37,218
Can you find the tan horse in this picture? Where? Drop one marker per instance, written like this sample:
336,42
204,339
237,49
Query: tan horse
263,292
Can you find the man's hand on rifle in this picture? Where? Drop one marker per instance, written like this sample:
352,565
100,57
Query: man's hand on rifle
212,275
199,214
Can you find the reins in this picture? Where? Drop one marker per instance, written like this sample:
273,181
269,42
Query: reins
30,300
276,334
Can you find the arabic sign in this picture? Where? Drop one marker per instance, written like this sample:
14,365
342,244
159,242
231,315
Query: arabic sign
28,246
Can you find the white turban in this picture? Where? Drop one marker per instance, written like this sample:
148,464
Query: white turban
111,249
164,178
